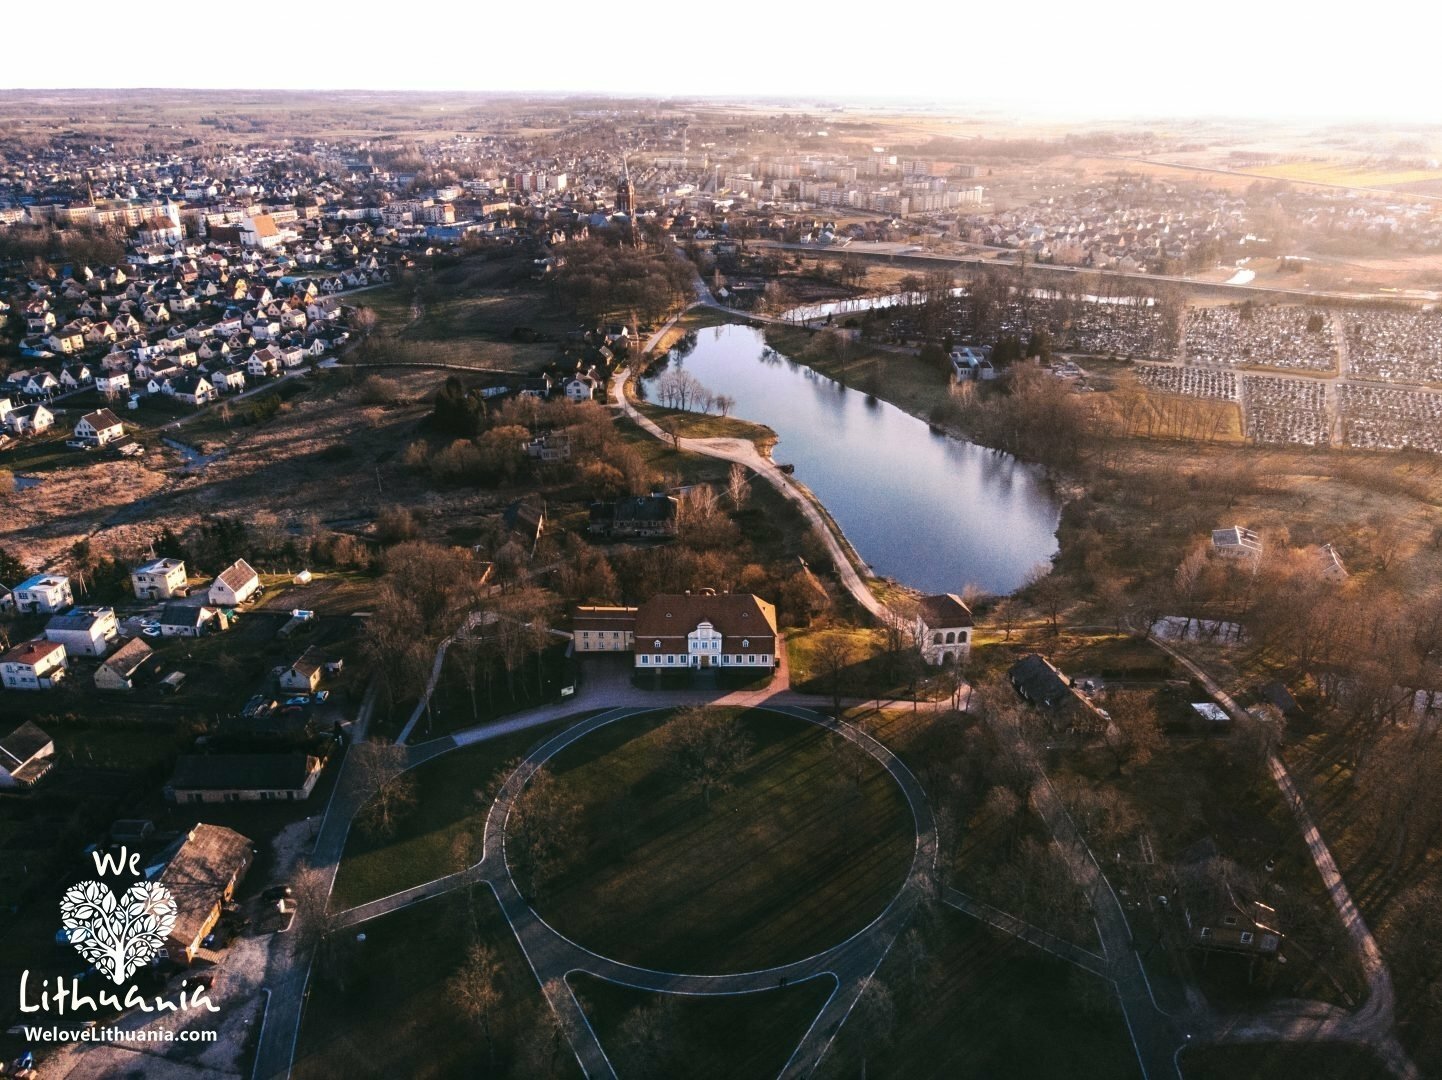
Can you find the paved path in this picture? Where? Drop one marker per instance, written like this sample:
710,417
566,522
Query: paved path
1032,935
1374,1024
849,965
744,452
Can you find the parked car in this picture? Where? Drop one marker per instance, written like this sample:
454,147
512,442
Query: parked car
320,697
277,892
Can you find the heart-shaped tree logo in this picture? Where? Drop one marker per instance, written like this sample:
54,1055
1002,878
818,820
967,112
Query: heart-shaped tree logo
117,936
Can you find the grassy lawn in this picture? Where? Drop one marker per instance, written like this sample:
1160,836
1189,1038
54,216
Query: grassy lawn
899,378
970,1001
382,1009
814,840
866,676
694,425
1316,1061
447,815
701,1040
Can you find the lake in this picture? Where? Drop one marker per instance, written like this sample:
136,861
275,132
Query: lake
929,510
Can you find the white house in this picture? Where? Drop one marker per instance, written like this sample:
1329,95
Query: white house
29,420
84,631
943,629
113,383
99,427
43,594
230,380
581,388
33,665
1236,543
159,579
705,630
236,584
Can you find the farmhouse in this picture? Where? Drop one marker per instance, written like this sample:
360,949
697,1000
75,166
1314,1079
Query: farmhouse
25,756
33,665
943,628
236,584
202,874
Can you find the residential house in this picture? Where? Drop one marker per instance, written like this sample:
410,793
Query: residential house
637,516
229,380
1218,913
159,579
99,427
202,873
704,630
190,620
123,667
84,631
33,665
306,673
194,390
943,629
1044,687
30,420
549,448
43,594
236,584
581,388
1236,543
26,755
208,778
113,383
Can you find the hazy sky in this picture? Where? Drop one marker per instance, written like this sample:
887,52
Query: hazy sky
1119,57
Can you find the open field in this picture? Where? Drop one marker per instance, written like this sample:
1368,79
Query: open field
666,882
700,1034
382,1008
442,834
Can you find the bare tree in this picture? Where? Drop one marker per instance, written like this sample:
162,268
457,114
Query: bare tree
738,485
378,766
706,748
476,990
834,658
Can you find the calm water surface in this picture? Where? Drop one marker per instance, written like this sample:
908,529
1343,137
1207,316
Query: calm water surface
930,511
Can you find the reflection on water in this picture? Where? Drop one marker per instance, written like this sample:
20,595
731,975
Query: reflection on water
931,511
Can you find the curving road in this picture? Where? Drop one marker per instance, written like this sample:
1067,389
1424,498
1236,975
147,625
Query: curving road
552,956
744,452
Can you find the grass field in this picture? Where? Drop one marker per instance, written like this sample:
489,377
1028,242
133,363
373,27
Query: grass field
448,821
738,1037
812,843
695,425
971,1002
382,1009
